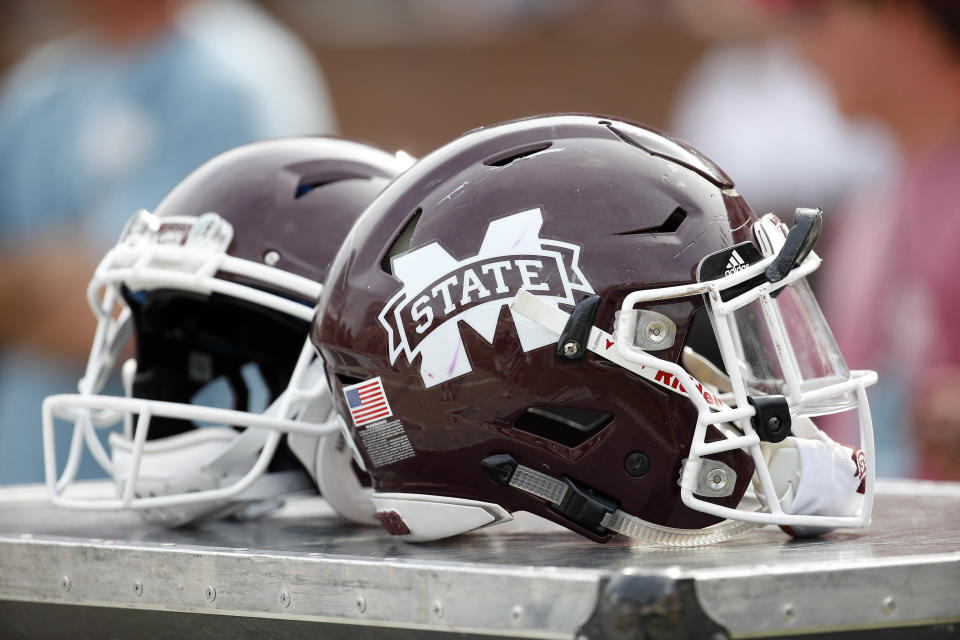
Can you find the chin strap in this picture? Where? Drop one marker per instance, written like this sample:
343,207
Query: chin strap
197,461
813,475
599,514
636,528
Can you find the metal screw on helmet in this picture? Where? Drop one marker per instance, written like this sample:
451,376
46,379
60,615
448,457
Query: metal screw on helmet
637,464
653,330
714,479
271,258
656,332
717,478
570,349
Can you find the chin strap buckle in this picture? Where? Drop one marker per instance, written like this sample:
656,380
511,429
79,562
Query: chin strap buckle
585,506
598,513
574,501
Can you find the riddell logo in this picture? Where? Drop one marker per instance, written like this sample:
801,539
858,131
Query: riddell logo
439,291
735,263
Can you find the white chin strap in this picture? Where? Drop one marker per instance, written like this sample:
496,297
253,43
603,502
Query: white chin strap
554,491
216,457
329,460
212,471
814,475
202,460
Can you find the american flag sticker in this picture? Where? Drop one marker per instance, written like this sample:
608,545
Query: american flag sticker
367,402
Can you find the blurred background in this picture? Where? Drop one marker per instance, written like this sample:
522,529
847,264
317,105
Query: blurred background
853,105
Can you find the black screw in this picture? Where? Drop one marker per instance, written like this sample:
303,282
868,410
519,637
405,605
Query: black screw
771,419
637,464
774,423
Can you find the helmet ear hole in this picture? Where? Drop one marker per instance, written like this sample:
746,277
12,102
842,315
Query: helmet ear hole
567,426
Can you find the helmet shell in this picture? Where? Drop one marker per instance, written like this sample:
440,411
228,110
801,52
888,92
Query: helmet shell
613,189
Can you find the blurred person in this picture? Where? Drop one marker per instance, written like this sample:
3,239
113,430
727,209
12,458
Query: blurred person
755,105
99,124
889,275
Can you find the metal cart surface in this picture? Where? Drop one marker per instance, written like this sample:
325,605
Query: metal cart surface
302,573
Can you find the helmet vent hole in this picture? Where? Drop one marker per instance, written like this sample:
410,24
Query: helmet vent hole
566,426
517,153
347,381
314,182
670,225
402,243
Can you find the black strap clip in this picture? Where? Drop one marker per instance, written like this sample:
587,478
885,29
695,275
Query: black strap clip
499,468
586,507
572,344
807,226
772,418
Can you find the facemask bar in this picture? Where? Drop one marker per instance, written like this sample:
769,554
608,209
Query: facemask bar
720,312
90,412
187,258
186,254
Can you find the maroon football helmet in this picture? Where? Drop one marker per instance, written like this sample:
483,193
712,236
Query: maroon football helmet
579,317
218,286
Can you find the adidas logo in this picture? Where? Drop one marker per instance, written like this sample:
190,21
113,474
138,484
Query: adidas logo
734,264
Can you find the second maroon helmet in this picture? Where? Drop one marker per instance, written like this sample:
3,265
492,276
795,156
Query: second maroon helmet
506,330
225,406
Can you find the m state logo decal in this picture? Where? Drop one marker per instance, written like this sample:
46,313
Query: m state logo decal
439,291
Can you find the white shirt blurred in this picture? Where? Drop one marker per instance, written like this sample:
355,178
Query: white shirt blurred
767,118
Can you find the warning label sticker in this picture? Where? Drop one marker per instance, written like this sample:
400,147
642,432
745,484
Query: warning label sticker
386,443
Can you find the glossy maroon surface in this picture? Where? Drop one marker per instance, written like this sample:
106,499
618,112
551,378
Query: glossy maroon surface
600,184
